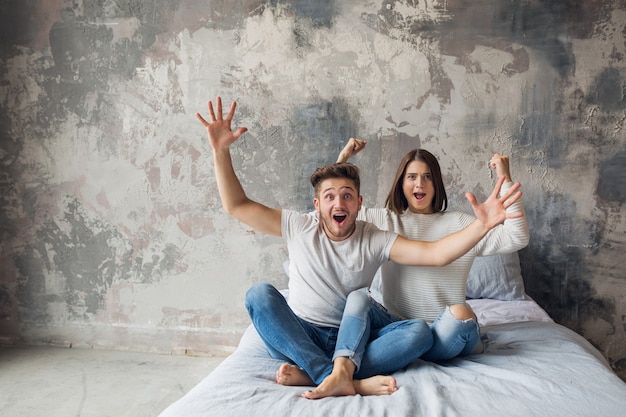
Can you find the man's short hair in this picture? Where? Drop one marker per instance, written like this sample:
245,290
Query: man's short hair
339,170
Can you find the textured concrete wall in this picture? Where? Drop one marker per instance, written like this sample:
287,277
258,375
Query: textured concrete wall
112,231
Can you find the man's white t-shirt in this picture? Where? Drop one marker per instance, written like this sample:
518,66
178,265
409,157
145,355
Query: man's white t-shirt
323,272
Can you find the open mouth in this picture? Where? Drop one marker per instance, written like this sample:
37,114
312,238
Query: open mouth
339,218
419,196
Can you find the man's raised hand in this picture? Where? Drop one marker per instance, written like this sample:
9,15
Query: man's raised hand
218,129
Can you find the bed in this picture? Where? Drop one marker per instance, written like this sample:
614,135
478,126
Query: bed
531,366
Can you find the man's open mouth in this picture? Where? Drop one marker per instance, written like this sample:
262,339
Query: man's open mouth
339,218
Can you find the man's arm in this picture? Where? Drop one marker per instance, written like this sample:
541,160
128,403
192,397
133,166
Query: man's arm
234,199
443,251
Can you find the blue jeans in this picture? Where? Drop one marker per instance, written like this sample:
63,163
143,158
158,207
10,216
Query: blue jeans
453,337
376,341
390,342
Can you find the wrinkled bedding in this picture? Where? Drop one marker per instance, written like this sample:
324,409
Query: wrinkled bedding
531,366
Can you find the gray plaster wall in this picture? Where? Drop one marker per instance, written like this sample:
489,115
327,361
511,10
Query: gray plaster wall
112,233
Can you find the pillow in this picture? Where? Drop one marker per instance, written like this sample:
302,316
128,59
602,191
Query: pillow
498,277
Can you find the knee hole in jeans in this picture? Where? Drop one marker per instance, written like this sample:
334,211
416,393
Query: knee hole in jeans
462,312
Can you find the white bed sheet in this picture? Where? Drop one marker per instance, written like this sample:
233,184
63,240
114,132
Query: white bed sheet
529,368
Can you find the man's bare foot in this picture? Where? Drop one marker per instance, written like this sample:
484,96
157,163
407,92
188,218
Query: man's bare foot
293,376
376,385
337,384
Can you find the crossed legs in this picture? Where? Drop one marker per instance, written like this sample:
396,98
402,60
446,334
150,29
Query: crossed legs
370,345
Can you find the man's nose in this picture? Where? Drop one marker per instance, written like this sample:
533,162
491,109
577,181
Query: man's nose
340,203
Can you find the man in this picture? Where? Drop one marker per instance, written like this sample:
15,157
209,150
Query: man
331,256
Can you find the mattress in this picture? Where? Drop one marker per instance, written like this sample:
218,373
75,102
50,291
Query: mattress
531,366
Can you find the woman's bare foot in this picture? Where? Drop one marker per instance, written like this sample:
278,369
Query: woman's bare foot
376,385
293,376
337,384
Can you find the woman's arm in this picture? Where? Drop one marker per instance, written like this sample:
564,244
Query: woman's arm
443,251
353,147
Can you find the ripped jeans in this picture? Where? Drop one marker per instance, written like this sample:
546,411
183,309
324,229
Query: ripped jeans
453,337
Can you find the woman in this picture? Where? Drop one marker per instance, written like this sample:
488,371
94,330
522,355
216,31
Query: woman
416,208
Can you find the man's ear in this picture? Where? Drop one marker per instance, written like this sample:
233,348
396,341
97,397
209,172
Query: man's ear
360,201
316,203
